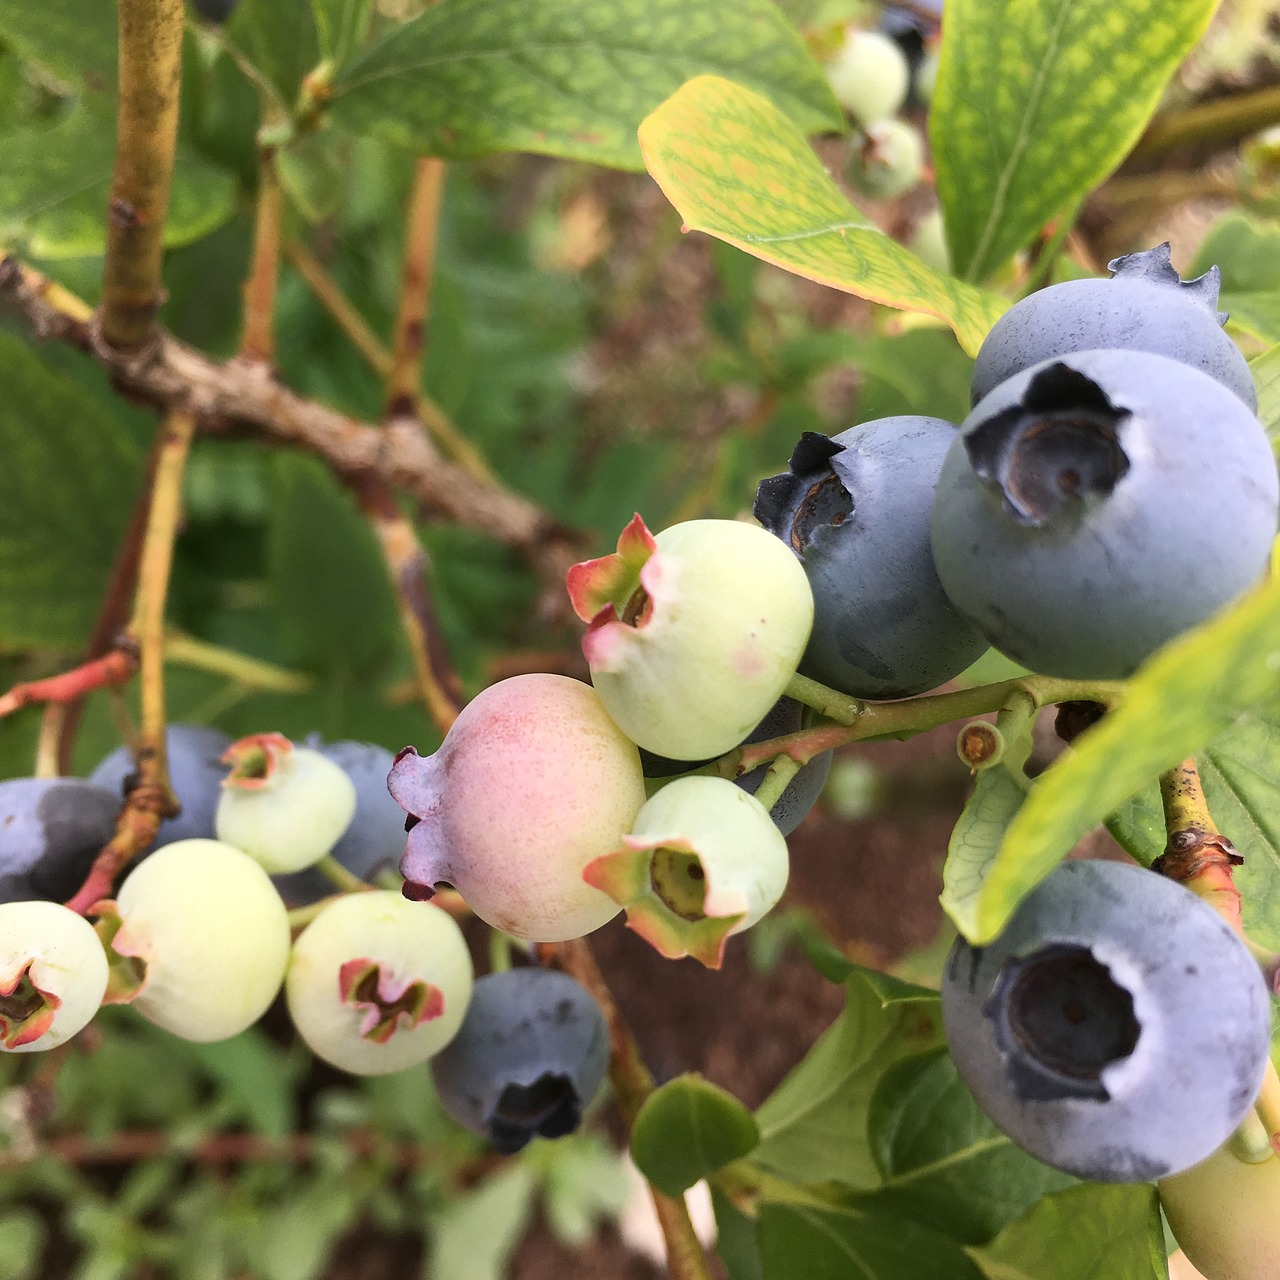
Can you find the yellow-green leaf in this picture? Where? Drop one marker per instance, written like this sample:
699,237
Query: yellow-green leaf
1182,698
735,167
1266,375
1036,102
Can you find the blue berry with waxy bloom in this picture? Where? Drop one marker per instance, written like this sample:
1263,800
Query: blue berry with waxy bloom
693,633
194,754
51,830
1145,306
855,511
703,860
53,975
530,1055
1117,1029
1094,507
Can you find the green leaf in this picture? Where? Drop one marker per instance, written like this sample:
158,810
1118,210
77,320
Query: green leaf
341,27
279,38
1255,313
475,1236
1240,771
735,1239
735,167
567,78
688,1129
1246,251
813,1128
73,39
799,1242
22,1235
1184,696
1266,375
1036,102
55,181
998,793
333,605
944,1163
1091,1230
253,1071
584,1182
66,490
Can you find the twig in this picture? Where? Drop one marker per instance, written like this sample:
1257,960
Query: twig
258,341
1220,121
152,798
417,278
146,136
243,396
632,1084
338,305
116,667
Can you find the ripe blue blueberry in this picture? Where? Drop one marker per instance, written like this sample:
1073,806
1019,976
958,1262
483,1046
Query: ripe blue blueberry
195,773
51,829
1117,1029
855,510
1095,506
374,841
530,1055
1145,306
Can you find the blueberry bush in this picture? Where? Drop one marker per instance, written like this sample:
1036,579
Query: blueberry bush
479,474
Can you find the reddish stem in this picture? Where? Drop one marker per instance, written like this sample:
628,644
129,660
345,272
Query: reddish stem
116,667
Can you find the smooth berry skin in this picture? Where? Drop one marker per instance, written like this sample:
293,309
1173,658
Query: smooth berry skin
209,927
694,632
51,830
374,841
888,161
1094,507
869,75
533,780
1144,306
45,946
195,773
855,510
1117,1029
411,943
292,817
1222,1212
531,1054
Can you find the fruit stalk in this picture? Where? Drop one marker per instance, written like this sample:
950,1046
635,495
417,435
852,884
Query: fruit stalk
152,799
116,667
632,1084
150,51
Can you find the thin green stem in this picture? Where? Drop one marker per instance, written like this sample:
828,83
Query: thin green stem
337,874
499,951
776,781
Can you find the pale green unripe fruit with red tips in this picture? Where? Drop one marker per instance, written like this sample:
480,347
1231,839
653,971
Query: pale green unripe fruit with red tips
532,781
285,806
1225,1215
53,975
377,983
704,860
209,935
694,633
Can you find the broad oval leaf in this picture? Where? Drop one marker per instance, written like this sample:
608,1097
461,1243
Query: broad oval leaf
998,794
943,1162
1090,1230
1036,102
813,1127
735,167
70,475
567,78
1266,376
688,1129
803,1242
1180,699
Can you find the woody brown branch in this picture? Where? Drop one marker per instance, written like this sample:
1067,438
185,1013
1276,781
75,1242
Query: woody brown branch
244,397
150,67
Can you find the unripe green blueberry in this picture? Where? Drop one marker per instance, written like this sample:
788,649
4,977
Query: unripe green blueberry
693,633
285,806
889,160
377,983
53,975
1223,1214
869,75
704,860
209,935
929,242
533,780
